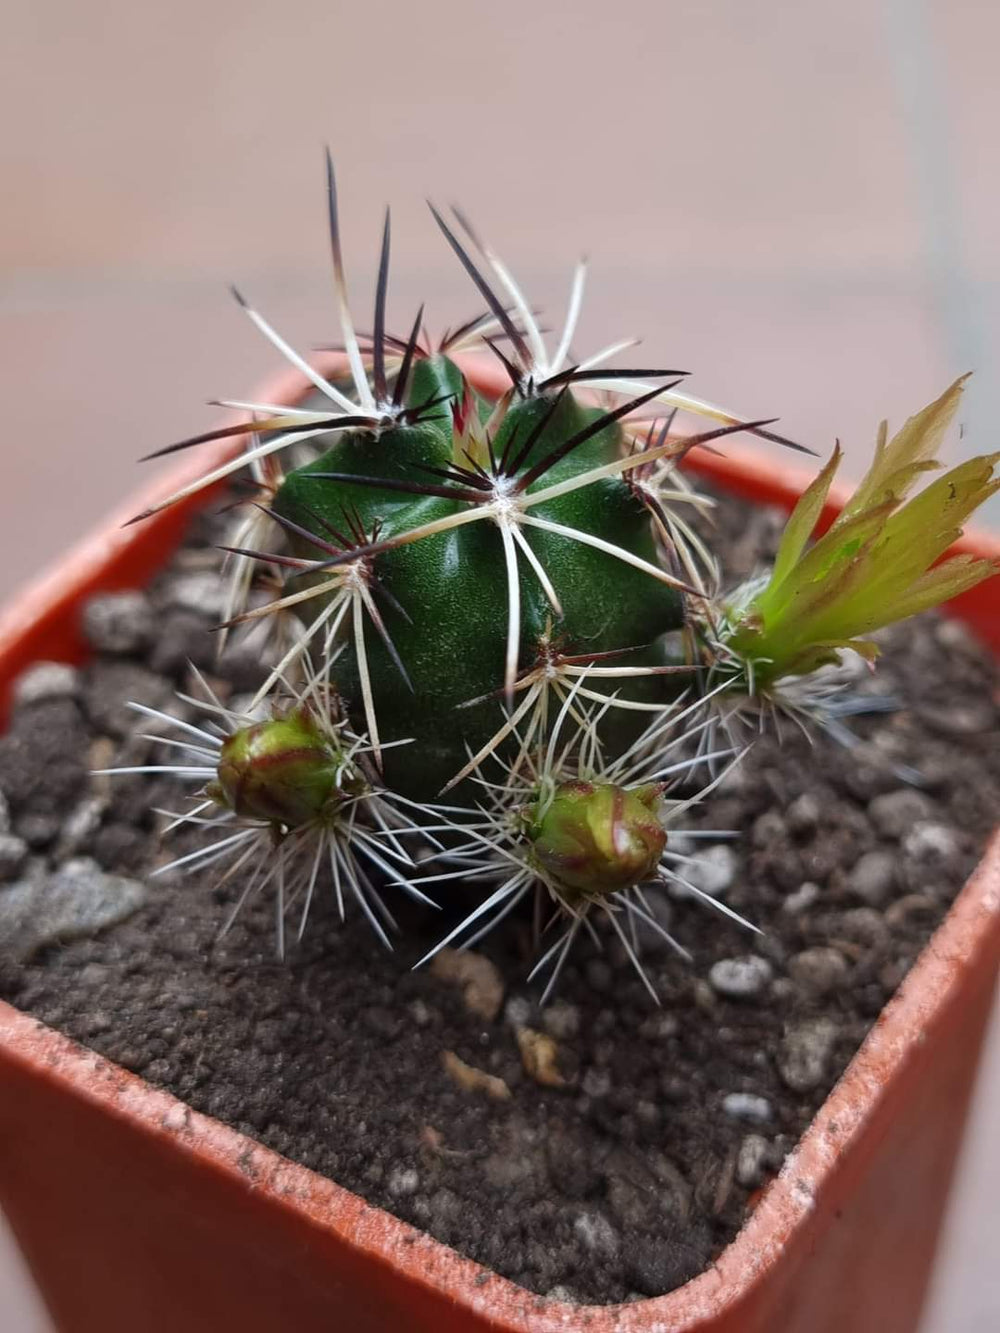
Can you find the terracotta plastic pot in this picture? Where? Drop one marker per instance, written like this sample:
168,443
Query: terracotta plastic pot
137,1213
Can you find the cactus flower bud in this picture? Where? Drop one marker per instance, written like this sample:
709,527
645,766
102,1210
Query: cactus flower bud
596,838
286,771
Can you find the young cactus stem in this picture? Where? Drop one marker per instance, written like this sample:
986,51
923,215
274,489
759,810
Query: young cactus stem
290,794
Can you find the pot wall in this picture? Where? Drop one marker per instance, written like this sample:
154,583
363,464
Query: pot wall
137,1213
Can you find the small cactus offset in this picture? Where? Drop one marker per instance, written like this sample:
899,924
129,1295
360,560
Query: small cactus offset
495,631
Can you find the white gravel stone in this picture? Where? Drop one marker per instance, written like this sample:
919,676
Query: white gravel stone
953,634
660,1026
895,813
768,827
818,971
561,1020
740,978
13,855
802,899
752,1160
201,590
596,1234
747,1107
46,680
118,622
518,1011
712,870
872,877
927,841
804,1057
403,1181
964,719
74,902
596,1082
561,1292
803,814
83,820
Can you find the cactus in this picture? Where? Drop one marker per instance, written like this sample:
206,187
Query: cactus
506,602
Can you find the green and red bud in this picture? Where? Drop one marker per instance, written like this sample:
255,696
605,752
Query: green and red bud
285,770
596,838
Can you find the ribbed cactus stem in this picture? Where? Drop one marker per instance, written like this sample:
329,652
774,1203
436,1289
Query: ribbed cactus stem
467,603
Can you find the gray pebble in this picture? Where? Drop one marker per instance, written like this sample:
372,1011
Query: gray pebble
182,637
403,1181
818,971
560,1292
954,634
511,1165
804,1058
712,870
518,1011
645,1189
112,684
46,680
895,813
38,829
653,1267
927,841
82,822
964,719
803,814
752,1160
768,828
596,1082
203,591
802,899
74,902
596,1234
873,877
747,1107
782,990
118,622
740,978
13,855
561,1020
660,1026
734,781
863,925
914,907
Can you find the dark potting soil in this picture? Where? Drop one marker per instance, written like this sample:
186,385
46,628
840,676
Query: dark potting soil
622,1158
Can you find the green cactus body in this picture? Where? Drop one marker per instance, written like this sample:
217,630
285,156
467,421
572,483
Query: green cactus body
451,589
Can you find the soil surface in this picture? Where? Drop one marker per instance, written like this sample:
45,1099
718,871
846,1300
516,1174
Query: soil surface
616,1146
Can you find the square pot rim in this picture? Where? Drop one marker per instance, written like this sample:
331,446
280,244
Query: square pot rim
41,623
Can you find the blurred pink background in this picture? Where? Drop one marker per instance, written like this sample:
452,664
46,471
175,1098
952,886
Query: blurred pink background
798,202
